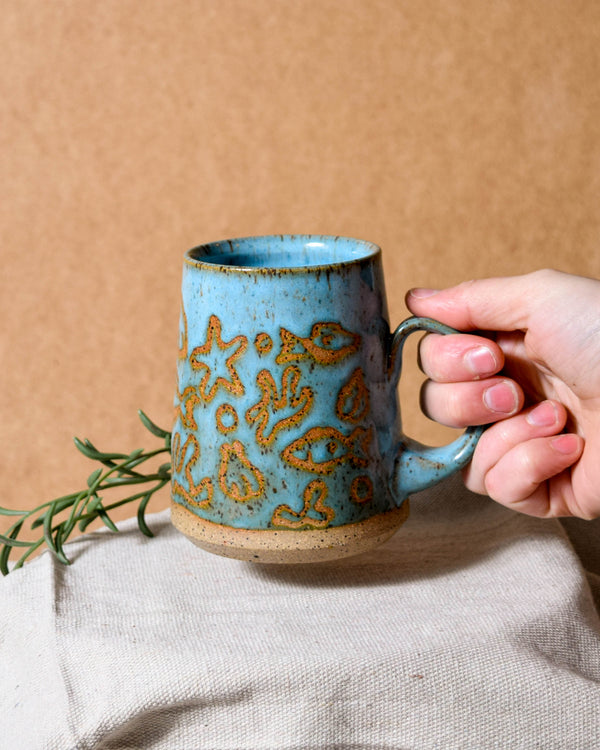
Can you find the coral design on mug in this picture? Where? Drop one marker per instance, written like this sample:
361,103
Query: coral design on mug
194,493
327,344
215,348
239,479
314,498
353,401
290,398
184,408
322,449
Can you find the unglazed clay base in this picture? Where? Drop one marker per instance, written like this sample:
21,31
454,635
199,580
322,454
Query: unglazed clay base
286,546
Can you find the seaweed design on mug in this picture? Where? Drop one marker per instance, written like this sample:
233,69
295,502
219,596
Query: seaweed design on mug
215,345
184,408
273,401
193,494
322,449
327,344
314,498
353,401
239,479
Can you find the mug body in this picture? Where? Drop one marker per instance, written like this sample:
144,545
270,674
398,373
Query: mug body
286,418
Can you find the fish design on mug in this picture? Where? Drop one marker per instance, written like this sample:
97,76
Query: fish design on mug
322,449
327,344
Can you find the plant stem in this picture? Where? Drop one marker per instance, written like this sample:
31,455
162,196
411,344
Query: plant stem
87,505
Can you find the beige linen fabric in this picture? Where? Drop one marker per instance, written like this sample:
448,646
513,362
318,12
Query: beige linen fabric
474,627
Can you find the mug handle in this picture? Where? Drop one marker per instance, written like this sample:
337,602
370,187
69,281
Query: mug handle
418,466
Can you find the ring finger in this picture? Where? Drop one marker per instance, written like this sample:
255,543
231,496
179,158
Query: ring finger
542,420
472,403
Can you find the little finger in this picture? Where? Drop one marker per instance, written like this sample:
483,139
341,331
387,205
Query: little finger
542,420
515,480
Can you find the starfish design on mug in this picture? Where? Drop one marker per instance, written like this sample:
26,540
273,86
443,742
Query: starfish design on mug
209,357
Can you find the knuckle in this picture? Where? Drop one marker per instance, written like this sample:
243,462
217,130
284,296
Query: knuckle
494,488
544,275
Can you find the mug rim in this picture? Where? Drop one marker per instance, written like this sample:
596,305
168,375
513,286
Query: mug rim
370,250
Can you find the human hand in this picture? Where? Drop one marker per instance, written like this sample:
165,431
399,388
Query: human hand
537,381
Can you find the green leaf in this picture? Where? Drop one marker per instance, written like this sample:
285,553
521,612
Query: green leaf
11,512
141,517
58,505
89,451
85,522
47,526
93,477
10,541
21,561
153,428
6,549
107,520
93,504
58,546
164,471
90,512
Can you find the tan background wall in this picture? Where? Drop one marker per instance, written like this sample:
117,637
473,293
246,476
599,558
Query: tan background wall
464,137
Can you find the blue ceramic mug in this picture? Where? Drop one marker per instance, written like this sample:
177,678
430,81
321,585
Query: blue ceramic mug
287,444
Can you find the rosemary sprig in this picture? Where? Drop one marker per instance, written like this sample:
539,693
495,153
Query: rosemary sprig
85,506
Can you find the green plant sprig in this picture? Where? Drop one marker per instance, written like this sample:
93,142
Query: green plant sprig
118,470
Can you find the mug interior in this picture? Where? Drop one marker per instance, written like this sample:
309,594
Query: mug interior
282,251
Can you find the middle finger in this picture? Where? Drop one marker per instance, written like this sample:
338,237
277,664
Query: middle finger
459,357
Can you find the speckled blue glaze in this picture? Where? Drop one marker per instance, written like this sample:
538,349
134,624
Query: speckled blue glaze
286,409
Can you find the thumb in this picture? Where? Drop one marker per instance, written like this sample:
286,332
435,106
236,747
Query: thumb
499,304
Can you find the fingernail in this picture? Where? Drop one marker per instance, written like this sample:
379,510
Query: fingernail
481,361
565,444
544,415
420,293
501,398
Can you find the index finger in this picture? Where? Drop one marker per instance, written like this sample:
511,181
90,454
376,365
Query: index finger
500,304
